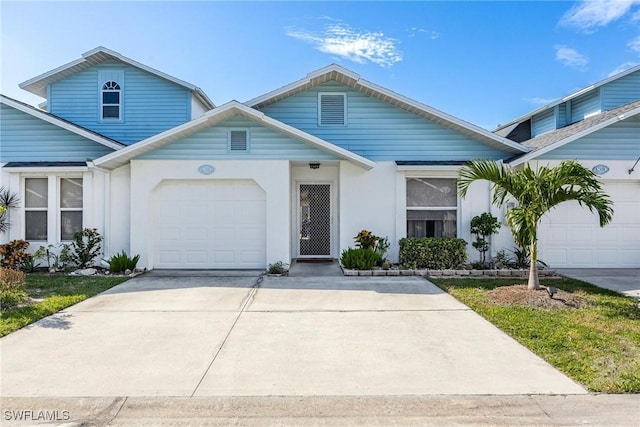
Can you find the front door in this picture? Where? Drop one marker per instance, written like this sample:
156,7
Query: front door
314,220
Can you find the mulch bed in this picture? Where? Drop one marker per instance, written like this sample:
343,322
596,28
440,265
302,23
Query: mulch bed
519,295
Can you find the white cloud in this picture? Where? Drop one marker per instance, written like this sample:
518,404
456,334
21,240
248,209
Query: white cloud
571,57
634,44
540,101
590,14
429,33
355,45
620,68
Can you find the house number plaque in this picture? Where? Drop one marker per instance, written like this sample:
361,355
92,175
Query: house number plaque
206,169
600,169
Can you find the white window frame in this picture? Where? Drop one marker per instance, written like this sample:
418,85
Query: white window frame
60,209
248,142
53,209
119,104
455,208
344,117
26,209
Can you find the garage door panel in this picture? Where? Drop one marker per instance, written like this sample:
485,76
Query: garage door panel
570,235
219,224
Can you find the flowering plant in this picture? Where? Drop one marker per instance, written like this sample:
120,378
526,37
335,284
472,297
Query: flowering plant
366,240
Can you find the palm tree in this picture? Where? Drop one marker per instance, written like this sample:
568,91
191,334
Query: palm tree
537,192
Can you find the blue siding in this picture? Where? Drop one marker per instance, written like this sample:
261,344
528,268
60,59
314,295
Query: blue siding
150,104
211,143
620,141
585,105
561,115
378,130
24,138
543,122
621,91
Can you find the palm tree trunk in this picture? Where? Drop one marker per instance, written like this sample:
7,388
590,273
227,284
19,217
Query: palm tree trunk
534,283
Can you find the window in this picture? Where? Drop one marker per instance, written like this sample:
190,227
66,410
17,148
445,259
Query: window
432,205
70,207
332,109
238,140
110,101
36,202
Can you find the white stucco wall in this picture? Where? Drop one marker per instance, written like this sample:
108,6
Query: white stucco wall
118,214
271,175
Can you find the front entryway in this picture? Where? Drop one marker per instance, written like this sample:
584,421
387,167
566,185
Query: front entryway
314,220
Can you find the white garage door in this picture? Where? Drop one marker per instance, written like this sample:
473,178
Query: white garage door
210,224
570,236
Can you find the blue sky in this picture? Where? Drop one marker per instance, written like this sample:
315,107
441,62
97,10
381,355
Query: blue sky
485,62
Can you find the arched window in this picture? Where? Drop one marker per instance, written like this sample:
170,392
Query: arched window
111,100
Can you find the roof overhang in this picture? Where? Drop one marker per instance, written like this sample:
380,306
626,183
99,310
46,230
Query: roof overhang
38,85
50,118
501,129
218,115
45,167
353,80
533,154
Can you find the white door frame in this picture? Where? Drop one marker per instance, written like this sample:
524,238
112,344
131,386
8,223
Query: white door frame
332,220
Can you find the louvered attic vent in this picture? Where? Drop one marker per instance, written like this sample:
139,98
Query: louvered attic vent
332,109
238,140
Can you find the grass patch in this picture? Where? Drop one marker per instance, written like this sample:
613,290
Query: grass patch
50,294
597,345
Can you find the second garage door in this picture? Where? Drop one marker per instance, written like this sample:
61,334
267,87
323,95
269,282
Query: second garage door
210,224
570,235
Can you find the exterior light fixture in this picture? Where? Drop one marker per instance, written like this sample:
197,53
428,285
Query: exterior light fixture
314,165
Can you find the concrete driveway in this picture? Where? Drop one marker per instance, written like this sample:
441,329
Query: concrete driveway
623,280
244,336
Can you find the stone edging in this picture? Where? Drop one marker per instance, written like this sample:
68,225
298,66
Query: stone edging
440,273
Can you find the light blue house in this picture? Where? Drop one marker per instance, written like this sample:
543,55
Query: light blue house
295,173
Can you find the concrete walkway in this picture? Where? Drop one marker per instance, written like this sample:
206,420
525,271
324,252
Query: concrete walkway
161,335
623,280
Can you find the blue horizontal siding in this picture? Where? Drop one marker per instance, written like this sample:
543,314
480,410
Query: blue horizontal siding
561,115
212,143
621,91
585,104
150,104
620,141
543,122
378,130
24,138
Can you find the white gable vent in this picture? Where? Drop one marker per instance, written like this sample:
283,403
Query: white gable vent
238,140
332,109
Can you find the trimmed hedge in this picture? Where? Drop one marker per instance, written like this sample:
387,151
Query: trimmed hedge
436,253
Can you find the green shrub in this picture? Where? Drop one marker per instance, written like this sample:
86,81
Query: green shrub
11,291
278,268
85,247
359,258
14,254
437,253
121,262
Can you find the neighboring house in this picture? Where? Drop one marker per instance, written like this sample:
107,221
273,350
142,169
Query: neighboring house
599,126
295,173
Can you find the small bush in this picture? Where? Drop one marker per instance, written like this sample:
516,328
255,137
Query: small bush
11,292
14,254
359,258
121,262
85,247
437,253
278,268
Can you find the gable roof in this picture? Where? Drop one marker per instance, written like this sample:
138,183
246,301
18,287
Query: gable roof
38,85
354,81
502,129
551,140
62,123
217,115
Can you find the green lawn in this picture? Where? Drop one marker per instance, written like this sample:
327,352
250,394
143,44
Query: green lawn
597,345
57,292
